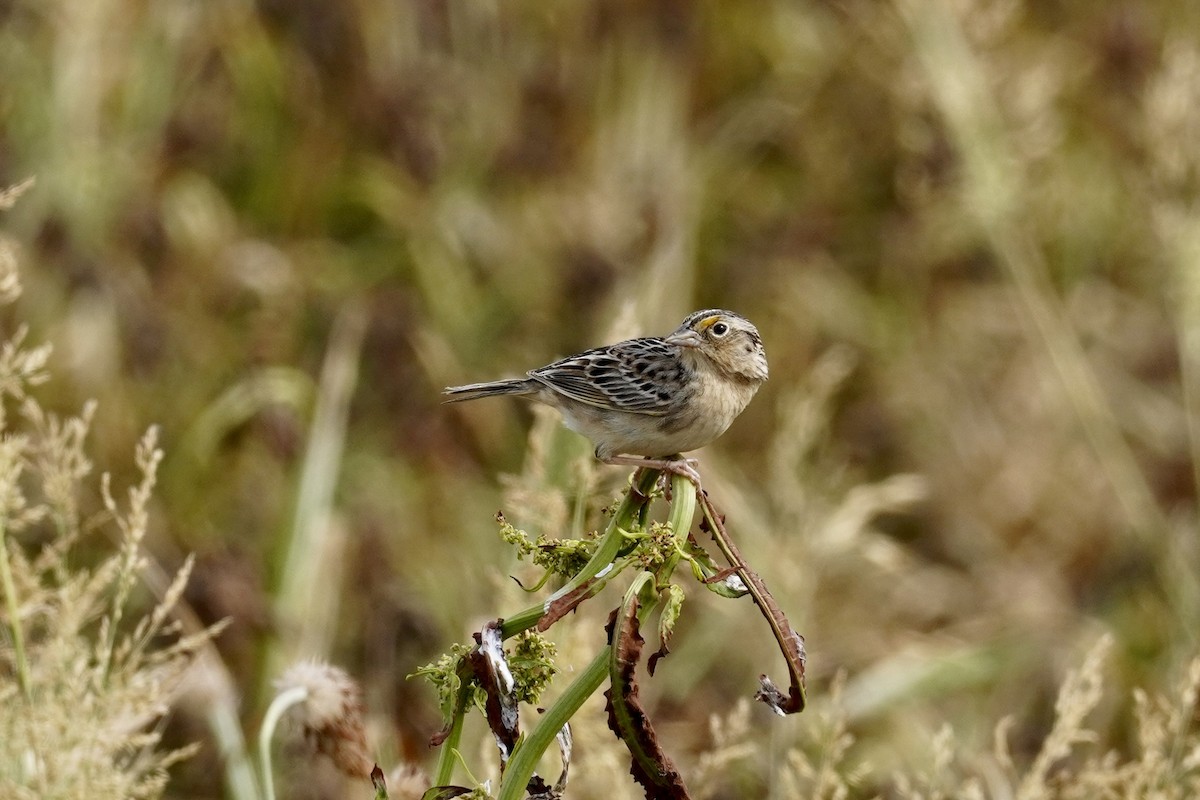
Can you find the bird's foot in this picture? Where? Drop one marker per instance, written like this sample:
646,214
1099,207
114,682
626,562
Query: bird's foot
686,467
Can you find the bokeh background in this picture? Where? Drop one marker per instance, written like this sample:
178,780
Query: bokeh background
968,232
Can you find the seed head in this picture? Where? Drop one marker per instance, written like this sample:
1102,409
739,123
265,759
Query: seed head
331,714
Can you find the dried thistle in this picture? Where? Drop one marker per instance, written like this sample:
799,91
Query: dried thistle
407,782
329,709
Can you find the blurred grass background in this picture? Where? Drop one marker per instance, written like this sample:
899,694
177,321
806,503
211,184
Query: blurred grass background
968,232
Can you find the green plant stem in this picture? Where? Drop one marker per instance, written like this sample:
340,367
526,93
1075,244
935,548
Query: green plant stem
683,509
529,750
449,747
240,780
10,602
282,702
606,552
630,515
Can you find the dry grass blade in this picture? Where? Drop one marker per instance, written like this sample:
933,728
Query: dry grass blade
992,189
315,542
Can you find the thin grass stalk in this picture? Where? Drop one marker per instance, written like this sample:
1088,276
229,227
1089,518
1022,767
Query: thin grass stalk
308,558
1183,241
221,703
240,780
133,525
1185,257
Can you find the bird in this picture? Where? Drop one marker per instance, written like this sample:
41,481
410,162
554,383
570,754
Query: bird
647,401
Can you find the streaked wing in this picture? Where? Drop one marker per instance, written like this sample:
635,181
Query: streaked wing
641,376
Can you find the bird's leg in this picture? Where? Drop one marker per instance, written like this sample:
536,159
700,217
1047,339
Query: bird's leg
687,467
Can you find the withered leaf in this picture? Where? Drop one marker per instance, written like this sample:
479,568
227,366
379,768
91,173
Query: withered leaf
666,625
651,767
564,605
441,736
490,666
791,644
538,789
445,792
566,744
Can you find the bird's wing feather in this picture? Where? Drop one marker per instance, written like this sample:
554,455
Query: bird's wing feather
640,376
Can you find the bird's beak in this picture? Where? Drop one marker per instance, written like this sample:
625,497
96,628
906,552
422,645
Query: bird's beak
685,338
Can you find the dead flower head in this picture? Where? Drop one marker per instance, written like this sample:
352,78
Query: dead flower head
331,714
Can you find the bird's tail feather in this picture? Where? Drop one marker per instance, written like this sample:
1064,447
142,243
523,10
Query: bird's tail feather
472,391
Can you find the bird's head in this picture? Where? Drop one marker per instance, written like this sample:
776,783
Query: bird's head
728,340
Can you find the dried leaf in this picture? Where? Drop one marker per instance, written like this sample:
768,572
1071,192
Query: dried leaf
666,625
379,783
560,607
725,582
566,744
652,768
441,736
445,792
490,666
791,643
538,789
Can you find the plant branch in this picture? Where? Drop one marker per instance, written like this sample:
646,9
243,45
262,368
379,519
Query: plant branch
529,750
607,550
791,644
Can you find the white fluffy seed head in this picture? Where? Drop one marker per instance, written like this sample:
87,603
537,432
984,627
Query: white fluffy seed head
331,714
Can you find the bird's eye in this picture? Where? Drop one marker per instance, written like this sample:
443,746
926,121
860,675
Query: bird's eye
720,329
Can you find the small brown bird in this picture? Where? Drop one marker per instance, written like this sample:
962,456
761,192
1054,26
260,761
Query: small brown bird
650,397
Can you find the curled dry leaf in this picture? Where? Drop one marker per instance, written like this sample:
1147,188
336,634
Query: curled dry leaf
491,671
652,767
791,643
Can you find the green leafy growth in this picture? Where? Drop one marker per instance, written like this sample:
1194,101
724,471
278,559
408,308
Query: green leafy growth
531,660
446,676
657,547
514,536
564,557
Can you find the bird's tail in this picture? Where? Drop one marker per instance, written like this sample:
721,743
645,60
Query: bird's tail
472,391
